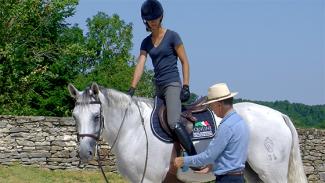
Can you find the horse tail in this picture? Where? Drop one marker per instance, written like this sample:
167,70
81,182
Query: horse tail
296,172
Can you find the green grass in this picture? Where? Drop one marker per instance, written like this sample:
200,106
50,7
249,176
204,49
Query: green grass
30,174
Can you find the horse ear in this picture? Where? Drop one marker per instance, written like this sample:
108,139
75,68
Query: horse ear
95,88
73,91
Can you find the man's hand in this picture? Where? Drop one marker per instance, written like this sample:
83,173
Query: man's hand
185,93
179,162
205,170
131,91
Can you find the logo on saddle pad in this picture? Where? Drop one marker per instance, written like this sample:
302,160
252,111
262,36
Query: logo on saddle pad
202,129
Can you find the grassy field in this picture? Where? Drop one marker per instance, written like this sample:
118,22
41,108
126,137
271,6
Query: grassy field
29,174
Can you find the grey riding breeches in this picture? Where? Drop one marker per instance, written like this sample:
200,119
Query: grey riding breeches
171,94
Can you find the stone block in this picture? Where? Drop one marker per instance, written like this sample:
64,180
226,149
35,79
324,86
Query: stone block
71,143
312,158
322,176
20,156
45,148
36,118
53,167
58,143
47,124
54,159
51,119
73,154
309,169
61,154
3,124
67,121
321,167
28,148
316,154
39,155
25,143
72,129
37,160
56,148
311,137
70,137
4,156
13,135
317,141
312,177
45,143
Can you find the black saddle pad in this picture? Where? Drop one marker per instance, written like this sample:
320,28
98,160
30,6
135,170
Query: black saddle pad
204,128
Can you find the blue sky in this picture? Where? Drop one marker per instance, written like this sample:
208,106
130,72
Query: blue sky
264,49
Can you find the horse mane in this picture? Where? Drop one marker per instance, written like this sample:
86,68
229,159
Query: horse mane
114,97
118,98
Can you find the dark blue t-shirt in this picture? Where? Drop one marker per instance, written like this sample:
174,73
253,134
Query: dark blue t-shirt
164,57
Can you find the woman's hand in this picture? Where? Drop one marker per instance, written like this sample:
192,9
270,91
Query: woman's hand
185,93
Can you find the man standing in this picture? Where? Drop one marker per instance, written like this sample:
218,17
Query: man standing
228,149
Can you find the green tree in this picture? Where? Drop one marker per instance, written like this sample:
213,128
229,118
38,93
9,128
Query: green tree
111,64
30,54
40,54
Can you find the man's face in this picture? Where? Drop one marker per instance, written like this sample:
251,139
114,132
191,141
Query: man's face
216,108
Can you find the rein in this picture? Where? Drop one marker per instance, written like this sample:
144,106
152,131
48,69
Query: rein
98,134
147,144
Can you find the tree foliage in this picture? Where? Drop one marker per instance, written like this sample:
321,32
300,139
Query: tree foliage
40,54
111,65
30,55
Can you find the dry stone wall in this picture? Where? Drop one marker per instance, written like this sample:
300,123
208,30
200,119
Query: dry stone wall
51,142
312,146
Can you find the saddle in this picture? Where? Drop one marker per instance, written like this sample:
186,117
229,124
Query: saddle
187,117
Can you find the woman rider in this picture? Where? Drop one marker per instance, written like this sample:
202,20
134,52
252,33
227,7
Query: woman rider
164,46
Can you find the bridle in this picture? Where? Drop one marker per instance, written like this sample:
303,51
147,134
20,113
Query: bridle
97,135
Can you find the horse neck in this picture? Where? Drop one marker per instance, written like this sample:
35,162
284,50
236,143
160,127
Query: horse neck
121,115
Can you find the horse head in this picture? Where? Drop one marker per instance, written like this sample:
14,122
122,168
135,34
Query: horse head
89,119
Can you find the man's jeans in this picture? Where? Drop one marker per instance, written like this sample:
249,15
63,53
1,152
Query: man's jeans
230,179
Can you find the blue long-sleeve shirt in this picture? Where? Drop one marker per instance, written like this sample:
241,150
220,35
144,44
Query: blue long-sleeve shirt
228,149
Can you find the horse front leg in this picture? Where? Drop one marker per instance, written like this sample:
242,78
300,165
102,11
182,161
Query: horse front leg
171,176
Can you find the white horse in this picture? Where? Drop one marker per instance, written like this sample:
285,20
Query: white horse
273,155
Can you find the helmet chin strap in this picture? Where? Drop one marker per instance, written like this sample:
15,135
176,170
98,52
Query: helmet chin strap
145,22
147,25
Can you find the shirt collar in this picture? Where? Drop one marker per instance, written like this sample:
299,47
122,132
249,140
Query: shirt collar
228,114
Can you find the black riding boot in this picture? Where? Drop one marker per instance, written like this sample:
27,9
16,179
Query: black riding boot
184,138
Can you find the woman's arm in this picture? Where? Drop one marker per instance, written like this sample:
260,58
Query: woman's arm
139,68
180,50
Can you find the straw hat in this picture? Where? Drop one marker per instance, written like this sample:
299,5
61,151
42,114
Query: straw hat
219,92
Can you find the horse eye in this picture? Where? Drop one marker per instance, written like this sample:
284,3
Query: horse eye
97,117
74,117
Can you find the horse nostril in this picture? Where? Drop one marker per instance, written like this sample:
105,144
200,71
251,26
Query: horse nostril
90,153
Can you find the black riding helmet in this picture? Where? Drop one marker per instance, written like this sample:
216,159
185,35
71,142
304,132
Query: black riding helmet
151,10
